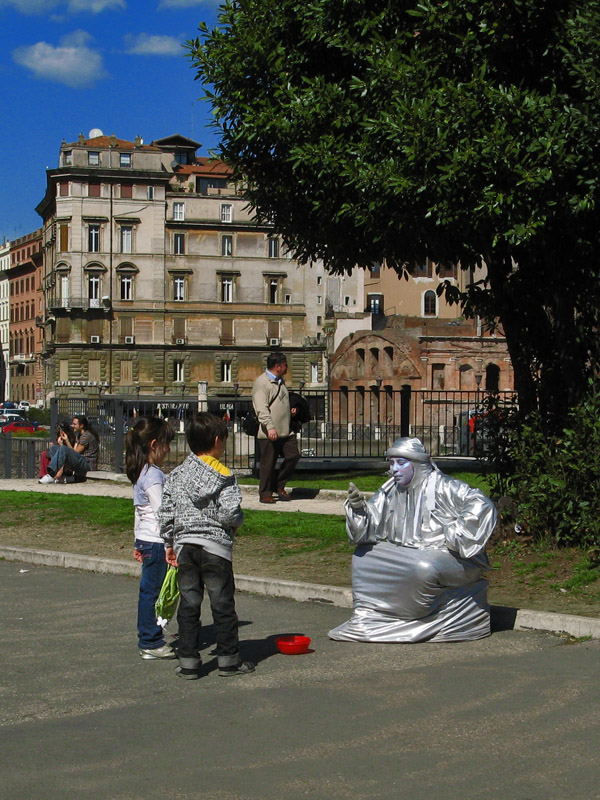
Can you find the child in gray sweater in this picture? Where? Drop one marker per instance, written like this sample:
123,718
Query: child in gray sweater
198,517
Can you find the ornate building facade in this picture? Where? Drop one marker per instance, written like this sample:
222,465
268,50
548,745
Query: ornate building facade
157,277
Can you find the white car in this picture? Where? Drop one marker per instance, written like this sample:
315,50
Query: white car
24,405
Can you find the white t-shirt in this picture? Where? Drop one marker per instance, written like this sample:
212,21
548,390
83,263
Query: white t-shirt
147,497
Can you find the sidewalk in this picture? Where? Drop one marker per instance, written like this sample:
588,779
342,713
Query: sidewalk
325,501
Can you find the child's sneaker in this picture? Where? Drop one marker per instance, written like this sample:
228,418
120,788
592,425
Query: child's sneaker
158,652
244,668
187,674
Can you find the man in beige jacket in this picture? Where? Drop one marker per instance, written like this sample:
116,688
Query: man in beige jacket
272,406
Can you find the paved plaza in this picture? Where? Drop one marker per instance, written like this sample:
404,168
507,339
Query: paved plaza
514,716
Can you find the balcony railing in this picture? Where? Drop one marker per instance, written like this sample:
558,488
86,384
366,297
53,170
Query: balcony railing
56,302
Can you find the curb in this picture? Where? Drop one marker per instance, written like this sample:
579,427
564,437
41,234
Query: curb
503,617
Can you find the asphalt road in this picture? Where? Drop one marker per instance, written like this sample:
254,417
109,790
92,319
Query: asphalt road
82,716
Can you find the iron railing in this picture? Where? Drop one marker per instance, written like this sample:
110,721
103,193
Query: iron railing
346,424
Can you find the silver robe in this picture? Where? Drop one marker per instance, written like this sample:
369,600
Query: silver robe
417,572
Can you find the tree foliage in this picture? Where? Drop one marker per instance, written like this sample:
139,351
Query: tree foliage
461,130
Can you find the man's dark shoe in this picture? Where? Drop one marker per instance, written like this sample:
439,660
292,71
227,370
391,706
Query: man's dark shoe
240,669
267,498
187,674
283,495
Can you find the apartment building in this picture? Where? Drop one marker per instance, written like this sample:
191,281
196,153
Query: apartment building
157,277
25,299
4,321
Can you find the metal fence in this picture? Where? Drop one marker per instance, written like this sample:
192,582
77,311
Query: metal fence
346,424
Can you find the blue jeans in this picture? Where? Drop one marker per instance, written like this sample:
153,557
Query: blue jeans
199,569
154,569
64,456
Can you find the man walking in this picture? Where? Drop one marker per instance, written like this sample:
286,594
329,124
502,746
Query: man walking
272,406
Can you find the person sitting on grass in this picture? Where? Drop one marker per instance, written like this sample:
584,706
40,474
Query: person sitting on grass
80,457
198,517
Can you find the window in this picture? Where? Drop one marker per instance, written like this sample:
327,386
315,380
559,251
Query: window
93,238
93,158
126,238
179,329
437,377
273,286
429,304
125,159
273,247
68,158
94,290
226,289
179,287
127,372
314,372
150,192
63,369
375,304
423,269
178,372
64,290
179,212
63,189
226,371
226,245
273,330
93,189
226,212
94,370
319,321
125,328
447,271
126,287
126,190
375,269
319,280
227,334
63,237
319,299
179,244
492,377
288,299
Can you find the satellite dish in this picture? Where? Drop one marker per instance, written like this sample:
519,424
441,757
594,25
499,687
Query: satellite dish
95,133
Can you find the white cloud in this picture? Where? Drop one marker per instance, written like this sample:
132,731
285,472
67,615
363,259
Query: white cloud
187,3
146,44
72,62
73,6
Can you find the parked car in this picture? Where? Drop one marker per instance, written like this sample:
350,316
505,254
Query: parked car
24,405
18,426
8,415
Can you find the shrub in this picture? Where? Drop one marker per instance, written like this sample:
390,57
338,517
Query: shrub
555,480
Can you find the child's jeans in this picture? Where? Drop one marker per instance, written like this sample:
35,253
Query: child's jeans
154,569
199,569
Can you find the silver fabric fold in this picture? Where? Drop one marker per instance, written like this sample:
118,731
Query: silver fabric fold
417,572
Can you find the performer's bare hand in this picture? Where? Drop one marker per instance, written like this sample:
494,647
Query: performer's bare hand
356,498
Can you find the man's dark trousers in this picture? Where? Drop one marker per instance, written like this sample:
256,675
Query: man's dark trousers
270,480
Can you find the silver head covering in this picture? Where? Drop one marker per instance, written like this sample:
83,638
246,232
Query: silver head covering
411,449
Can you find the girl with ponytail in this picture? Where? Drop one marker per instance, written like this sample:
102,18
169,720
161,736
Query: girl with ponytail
146,446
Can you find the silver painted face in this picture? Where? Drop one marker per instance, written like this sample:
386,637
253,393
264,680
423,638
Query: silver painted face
402,471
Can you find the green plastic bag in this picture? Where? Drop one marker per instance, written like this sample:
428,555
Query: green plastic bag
168,597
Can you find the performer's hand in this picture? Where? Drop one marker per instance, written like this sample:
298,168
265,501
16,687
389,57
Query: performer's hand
356,498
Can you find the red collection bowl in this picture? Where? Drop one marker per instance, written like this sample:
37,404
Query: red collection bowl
292,645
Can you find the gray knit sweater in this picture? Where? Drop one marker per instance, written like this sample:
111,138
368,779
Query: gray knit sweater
200,506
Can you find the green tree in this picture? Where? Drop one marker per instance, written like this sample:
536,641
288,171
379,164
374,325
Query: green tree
461,130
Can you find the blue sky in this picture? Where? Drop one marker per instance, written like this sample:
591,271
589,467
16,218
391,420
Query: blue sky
67,67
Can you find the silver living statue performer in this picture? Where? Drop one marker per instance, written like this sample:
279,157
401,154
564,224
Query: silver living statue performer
417,573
